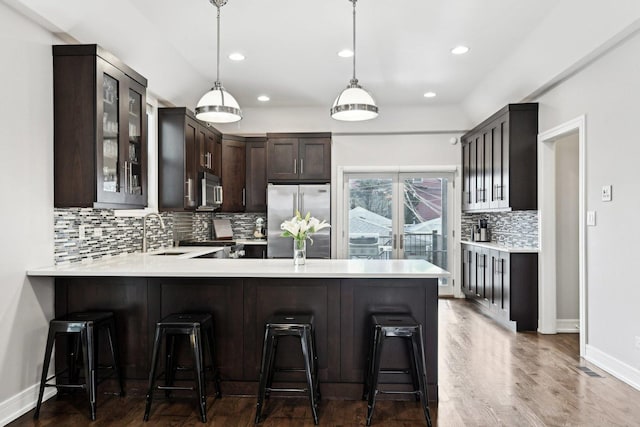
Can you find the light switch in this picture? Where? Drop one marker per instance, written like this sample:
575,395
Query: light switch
591,218
606,193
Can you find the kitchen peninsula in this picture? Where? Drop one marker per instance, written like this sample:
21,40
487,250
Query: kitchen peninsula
241,293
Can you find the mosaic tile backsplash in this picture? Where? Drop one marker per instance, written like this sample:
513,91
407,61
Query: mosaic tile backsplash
121,235
244,223
517,228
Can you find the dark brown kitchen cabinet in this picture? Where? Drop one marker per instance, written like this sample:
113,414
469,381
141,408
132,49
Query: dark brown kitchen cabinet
233,174
256,174
299,157
100,130
499,161
504,285
255,251
186,147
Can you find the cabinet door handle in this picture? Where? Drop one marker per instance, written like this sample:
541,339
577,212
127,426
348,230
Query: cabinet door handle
301,166
244,200
295,165
189,185
126,177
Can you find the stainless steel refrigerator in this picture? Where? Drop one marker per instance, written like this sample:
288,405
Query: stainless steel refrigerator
282,202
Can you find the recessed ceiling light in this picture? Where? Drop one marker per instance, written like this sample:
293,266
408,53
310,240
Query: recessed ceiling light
236,56
460,50
430,95
345,53
263,98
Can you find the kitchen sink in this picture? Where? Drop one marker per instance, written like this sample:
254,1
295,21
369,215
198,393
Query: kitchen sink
170,253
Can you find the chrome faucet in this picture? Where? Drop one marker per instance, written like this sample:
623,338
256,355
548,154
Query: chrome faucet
144,229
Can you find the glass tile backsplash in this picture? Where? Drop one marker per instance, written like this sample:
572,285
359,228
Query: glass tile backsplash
517,228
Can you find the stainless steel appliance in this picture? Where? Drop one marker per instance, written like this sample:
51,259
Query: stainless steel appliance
282,203
210,192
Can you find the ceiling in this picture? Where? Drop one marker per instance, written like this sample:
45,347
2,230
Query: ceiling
403,46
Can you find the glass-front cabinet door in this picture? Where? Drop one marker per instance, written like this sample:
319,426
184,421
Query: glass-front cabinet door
121,139
135,164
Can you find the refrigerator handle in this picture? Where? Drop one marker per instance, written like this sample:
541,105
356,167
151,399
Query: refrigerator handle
302,203
295,202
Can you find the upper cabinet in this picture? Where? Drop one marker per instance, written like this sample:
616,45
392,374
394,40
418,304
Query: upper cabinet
299,157
100,130
256,174
186,147
499,161
233,174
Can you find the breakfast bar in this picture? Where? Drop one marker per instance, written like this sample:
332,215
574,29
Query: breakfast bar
241,294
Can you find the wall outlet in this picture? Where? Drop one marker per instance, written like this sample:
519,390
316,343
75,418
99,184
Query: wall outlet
591,218
82,232
97,232
606,193
637,343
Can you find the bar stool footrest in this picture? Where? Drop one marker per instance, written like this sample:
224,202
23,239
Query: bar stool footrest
299,390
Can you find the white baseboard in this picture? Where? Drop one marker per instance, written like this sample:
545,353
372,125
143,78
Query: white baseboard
615,367
568,326
22,403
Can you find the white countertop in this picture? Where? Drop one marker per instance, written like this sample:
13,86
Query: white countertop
503,248
183,265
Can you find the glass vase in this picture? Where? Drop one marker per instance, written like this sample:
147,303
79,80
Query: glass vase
299,252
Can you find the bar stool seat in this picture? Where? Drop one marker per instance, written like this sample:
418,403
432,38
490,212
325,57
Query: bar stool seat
83,329
402,326
281,325
199,328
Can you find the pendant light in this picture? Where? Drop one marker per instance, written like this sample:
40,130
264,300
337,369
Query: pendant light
217,105
354,103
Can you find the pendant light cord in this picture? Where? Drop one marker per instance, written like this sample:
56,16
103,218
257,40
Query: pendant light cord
354,40
218,48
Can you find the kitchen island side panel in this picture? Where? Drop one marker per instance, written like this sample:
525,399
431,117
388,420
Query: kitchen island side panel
240,306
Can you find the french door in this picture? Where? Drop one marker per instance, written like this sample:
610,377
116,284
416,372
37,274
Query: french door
399,216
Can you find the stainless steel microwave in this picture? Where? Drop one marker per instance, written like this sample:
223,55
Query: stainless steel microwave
210,192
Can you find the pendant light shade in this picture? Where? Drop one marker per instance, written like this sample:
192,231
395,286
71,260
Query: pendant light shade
217,105
354,103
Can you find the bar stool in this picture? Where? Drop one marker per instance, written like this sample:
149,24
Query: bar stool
400,326
84,329
280,325
193,325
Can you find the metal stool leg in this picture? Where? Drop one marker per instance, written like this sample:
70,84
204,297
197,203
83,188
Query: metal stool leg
419,356
89,368
308,366
113,344
169,362
196,342
264,374
369,365
152,374
45,369
212,354
375,372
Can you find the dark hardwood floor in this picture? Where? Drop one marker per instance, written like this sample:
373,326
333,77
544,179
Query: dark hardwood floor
489,376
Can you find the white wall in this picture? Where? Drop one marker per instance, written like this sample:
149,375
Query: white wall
567,216
605,93
26,192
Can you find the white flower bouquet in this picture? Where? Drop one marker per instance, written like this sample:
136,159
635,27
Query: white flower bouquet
301,228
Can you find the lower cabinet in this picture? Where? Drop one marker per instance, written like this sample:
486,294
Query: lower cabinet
504,284
255,251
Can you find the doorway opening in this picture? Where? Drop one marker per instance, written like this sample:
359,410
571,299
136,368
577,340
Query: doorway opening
399,216
561,200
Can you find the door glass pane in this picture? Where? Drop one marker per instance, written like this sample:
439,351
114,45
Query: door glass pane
425,220
134,178
110,133
370,218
